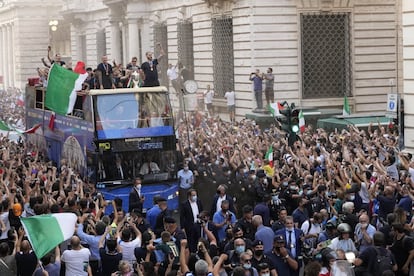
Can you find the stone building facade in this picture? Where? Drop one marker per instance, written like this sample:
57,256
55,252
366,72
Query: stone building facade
320,50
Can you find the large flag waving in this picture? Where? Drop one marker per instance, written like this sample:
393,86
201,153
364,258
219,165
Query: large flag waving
45,232
61,90
275,108
346,111
302,124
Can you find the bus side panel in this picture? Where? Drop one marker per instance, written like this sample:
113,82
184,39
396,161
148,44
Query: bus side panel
54,149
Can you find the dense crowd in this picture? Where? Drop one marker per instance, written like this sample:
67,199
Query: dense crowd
304,208
12,107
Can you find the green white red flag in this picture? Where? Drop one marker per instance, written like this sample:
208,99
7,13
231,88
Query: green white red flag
269,156
302,125
45,232
275,108
61,90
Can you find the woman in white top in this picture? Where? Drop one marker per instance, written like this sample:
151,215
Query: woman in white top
343,241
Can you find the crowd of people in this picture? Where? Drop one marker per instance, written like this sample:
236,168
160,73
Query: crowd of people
12,103
302,209
251,203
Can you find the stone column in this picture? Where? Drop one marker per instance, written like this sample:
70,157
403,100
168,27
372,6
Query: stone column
115,41
1,54
146,38
10,55
4,51
133,38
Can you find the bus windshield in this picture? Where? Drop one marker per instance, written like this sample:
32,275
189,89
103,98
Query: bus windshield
131,115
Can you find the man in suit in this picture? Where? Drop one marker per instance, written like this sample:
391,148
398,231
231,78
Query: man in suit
219,197
136,198
293,237
189,216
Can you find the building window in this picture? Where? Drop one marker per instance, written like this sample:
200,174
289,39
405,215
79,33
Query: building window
185,49
223,61
326,55
161,36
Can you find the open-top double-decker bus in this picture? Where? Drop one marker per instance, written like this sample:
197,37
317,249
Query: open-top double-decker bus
110,137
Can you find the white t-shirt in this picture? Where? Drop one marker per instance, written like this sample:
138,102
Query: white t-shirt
5,218
172,73
185,179
230,96
208,94
314,229
128,249
76,261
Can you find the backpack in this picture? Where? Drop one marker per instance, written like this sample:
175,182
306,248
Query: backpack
384,262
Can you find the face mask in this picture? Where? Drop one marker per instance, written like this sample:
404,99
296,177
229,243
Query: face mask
258,252
217,162
289,228
253,177
308,193
265,274
194,198
285,184
247,266
292,187
352,197
300,192
240,249
245,171
139,186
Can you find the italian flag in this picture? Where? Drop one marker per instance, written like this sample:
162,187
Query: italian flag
274,108
4,126
61,89
302,125
30,130
45,232
346,111
269,156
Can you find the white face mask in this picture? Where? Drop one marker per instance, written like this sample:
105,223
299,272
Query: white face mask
265,274
139,186
194,198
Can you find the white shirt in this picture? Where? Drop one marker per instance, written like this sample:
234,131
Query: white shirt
231,97
76,261
172,73
219,200
145,168
185,179
128,249
208,96
363,193
5,218
314,229
194,208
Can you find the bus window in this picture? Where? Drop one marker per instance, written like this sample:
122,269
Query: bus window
151,165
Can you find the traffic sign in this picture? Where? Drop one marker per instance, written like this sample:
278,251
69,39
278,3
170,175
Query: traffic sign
392,103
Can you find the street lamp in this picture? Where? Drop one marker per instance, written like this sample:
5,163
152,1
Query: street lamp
53,25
